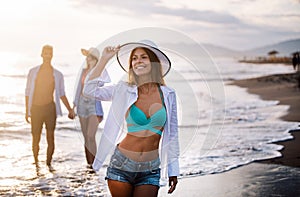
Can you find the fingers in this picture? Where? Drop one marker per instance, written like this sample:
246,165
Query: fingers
71,115
27,119
172,188
110,51
172,184
100,118
112,48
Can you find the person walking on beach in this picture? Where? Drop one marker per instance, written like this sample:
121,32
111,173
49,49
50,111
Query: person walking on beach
89,110
296,65
42,107
295,60
149,109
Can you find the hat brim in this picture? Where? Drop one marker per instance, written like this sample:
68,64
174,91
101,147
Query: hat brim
125,50
84,52
92,51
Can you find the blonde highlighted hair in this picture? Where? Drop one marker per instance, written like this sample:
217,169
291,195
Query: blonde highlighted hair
47,46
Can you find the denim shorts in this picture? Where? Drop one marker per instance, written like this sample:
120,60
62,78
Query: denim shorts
123,169
87,107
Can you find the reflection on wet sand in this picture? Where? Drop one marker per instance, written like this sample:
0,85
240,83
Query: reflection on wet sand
68,176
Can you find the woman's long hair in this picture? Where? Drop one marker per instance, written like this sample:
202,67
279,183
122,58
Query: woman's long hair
156,68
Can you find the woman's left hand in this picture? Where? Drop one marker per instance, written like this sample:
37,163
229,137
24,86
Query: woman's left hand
172,183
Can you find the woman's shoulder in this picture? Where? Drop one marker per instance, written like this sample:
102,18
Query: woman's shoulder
167,89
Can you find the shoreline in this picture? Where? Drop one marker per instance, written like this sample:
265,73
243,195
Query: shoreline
281,87
254,179
271,177
290,154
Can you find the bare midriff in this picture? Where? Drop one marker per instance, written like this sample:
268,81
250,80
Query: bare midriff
140,147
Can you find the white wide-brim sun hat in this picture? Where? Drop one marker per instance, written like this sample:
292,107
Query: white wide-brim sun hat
125,50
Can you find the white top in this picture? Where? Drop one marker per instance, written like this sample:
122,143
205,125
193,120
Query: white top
123,96
59,87
99,110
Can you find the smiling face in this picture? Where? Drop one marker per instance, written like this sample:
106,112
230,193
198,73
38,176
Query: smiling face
144,67
140,62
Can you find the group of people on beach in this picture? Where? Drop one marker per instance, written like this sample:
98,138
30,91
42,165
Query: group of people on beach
147,150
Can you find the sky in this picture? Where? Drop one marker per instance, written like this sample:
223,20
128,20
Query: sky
73,24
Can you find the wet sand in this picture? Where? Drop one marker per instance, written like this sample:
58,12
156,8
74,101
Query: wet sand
280,87
273,177
255,179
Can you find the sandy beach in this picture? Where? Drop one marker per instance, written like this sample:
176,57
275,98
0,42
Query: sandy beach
255,179
280,87
274,177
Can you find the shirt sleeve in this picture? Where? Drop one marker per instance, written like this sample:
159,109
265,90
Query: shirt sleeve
173,151
95,88
99,108
61,85
28,83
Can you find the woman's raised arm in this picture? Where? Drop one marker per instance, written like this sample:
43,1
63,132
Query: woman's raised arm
107,53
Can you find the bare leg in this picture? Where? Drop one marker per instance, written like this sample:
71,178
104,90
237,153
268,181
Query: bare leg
146,190
120,189
50,122
36,137
89,128
90,140
36,131
83,125
51,146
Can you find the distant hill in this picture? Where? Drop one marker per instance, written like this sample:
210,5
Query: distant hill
284,48
217,51
213,50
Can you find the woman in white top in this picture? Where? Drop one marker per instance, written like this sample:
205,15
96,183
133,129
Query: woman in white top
150,149
89,110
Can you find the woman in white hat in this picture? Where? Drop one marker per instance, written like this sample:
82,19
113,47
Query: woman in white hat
89,110
150,149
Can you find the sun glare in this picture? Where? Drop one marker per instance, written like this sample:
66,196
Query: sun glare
9,69
8,62
15,9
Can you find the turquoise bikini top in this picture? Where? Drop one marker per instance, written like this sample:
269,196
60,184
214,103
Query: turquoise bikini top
138,121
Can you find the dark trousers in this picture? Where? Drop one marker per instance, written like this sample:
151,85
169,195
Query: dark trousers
40,115
298,76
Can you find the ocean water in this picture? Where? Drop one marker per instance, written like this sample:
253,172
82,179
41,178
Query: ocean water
221,127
